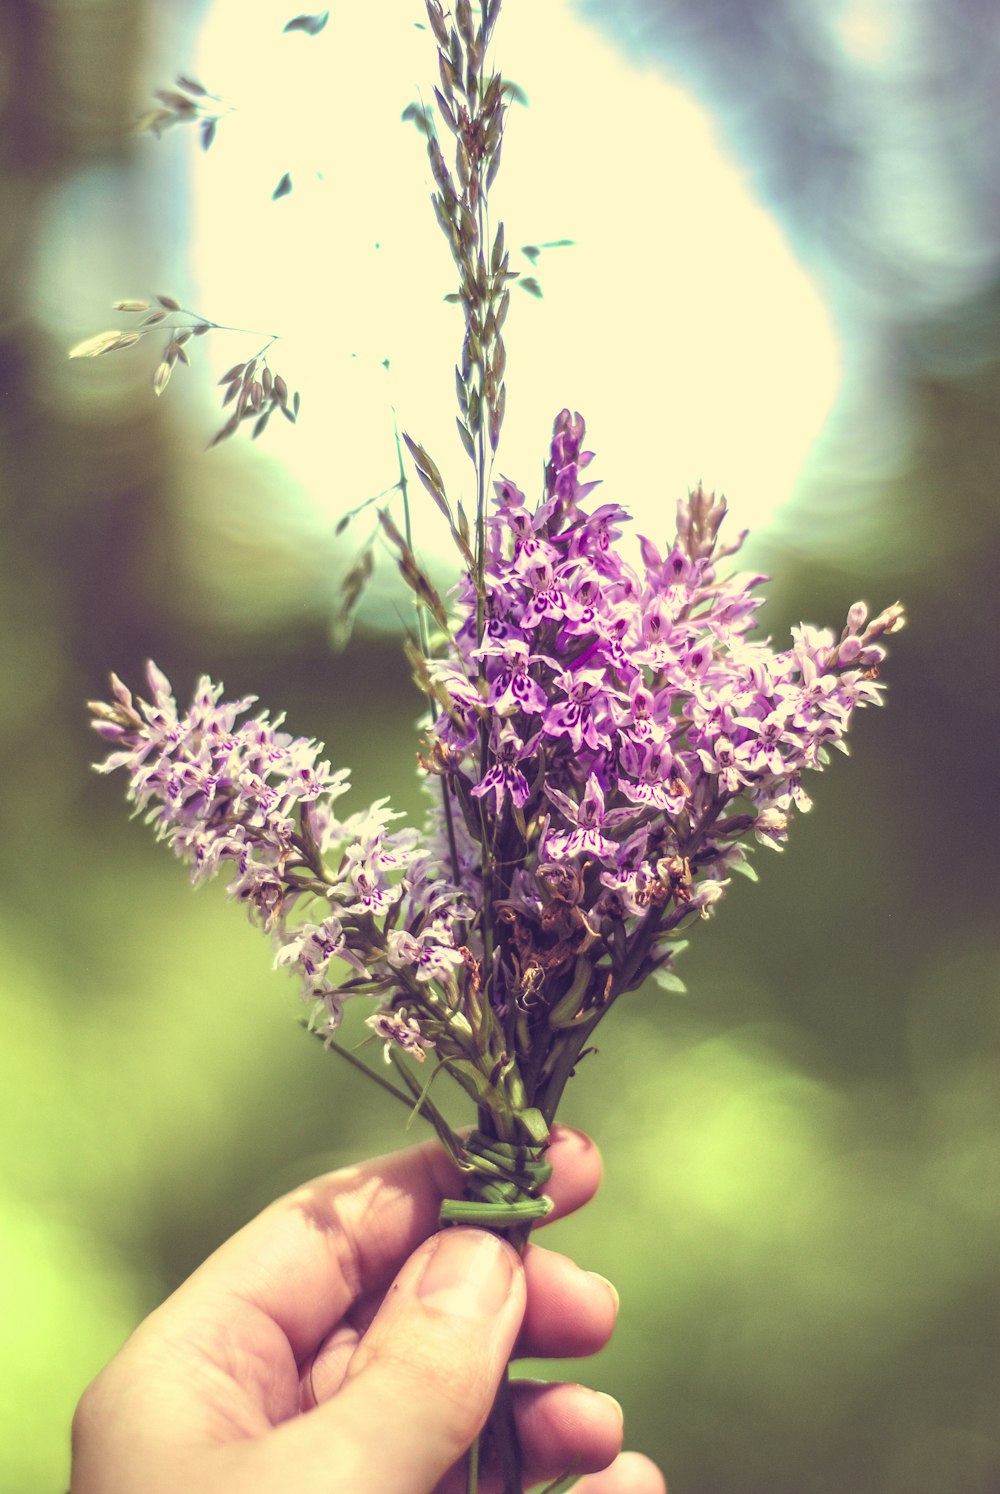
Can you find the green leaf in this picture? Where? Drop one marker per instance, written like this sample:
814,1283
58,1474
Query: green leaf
533,1122
668,981
421,117
563,1484
311,25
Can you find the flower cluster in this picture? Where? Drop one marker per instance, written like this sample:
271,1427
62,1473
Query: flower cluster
609,737
248,797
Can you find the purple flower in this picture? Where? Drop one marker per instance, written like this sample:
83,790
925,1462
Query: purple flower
248,797
505,776
590,819
661,733
399,1027
219,790
611,740
513,687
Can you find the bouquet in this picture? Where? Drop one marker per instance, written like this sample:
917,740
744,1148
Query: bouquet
606,742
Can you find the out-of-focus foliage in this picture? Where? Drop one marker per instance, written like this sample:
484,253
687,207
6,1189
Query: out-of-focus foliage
802,1205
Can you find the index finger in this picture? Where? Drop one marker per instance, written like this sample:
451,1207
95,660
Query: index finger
309,1256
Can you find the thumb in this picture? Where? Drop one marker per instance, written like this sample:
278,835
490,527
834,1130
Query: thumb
423,1378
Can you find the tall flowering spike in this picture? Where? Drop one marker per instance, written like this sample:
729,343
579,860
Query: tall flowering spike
247,797
224,792
627,725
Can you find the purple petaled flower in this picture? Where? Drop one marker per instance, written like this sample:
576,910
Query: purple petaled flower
221,792
399,1027
624,721
591,820
611,740
505,776
246,796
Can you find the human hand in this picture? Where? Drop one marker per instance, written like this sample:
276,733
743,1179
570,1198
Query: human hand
342,1343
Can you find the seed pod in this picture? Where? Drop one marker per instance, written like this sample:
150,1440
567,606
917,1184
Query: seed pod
130,306
448,78
227,430
93,347
494,167
439,168
436,17
155,121
179,102
468,232
496,417
467,441
161,377
499,363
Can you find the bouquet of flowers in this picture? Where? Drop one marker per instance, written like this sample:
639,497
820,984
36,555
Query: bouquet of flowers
606,742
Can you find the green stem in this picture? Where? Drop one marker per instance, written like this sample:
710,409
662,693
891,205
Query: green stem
403,486
504,1431
362,1067
416,1101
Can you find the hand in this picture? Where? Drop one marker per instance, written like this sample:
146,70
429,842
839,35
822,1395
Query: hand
341,1344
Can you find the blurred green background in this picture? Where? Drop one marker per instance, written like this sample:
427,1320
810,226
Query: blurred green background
802,1201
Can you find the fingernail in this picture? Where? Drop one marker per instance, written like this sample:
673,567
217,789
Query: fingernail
612,1289
469,1273
612,1402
